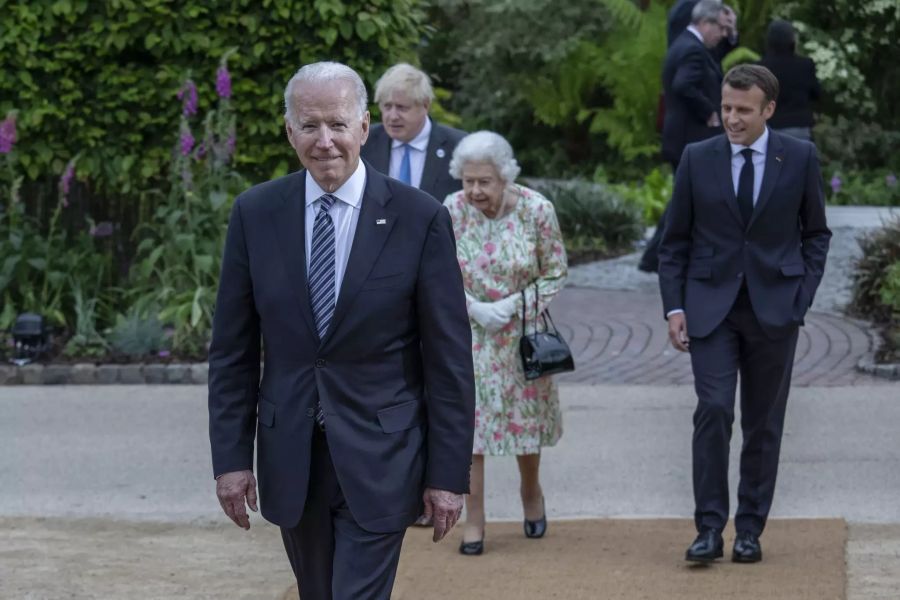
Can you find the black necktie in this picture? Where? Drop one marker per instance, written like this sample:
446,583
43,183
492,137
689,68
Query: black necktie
745,186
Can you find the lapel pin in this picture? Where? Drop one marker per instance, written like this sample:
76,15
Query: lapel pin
381,221
778,158
440,153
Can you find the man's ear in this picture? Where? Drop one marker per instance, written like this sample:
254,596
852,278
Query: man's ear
289,131
769,109
365,128
427,104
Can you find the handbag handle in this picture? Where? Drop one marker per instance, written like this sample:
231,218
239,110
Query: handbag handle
544,315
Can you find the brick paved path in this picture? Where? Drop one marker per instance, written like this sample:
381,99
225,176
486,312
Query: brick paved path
621,337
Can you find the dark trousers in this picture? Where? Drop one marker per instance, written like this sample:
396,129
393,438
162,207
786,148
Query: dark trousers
738,345
334,558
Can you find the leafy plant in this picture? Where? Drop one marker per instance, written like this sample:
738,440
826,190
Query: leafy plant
85,340
876,284
595,221
137,336
650,195
739,56
866,188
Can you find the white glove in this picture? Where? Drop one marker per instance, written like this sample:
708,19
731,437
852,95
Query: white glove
493,316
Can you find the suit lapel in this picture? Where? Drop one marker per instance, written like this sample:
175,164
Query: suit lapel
726,183
372,230
290,227
431,170
774,160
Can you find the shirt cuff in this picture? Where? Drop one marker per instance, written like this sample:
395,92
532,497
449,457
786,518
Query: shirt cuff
674,311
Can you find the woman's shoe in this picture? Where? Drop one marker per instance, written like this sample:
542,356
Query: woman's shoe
472,548
537,529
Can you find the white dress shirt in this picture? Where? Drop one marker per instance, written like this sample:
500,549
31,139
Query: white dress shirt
696,33
418,146
344,214
759,148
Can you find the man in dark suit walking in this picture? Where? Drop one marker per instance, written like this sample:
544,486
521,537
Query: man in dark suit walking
692,80
742,253
364,415
408,145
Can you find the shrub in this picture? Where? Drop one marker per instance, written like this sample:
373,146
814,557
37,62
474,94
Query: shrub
651,195
137,336
595,221
97,77
867,188
876,285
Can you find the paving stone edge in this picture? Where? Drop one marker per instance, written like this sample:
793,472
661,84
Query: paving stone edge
867,363
93,374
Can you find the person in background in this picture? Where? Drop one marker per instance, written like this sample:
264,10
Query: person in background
408,145
507,242
692,80
797,83
679,18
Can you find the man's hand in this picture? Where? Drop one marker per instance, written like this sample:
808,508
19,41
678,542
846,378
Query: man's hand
678,332
444,509
233,489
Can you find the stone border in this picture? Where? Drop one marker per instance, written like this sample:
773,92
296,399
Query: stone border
867,364
91,374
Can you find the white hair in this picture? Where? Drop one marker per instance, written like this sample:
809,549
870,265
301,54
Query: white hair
706,10
325,72
405,78
485,146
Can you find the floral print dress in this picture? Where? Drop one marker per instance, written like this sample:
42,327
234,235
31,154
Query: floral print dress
498,258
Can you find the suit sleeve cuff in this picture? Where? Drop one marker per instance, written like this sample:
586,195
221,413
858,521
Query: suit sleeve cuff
674,311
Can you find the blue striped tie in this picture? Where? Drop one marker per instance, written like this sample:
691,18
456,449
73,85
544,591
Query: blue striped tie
322,292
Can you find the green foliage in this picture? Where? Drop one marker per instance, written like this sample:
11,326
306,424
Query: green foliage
625,67
876,285
863,188
85,340
739,56
137,336
854,46
651,195
854,144
176,270
595,221
99,77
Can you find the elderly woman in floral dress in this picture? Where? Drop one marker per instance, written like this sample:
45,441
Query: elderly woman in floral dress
508,242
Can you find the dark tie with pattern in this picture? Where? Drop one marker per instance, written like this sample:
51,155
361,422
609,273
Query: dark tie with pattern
322,290
745,186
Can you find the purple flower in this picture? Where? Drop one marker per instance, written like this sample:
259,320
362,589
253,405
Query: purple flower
223,82
201,150
836,184
164,353
102,229
65,182
188,96
229,145
891,180
186,139
8,134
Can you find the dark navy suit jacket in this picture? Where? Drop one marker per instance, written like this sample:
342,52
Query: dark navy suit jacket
394,372
692,86
707,252
436,179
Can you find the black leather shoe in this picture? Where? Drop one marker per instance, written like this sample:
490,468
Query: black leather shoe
747,548
472,548
537,529
706,548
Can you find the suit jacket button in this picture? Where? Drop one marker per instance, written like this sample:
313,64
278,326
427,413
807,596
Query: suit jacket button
310,412
320,362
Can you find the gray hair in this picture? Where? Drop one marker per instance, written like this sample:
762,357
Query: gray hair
325,72
485,146
706,10
405,78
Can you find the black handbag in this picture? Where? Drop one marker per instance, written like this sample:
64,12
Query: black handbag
543,352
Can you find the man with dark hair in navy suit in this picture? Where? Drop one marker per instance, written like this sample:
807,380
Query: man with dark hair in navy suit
364,416
743,251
